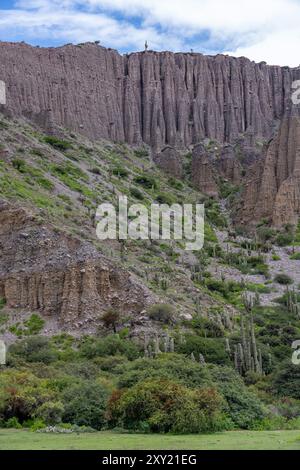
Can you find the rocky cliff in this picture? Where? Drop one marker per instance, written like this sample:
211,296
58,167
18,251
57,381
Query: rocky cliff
272,188
51,272
171,102
158,98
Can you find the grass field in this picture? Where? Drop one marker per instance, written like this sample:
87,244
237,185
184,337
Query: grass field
235,440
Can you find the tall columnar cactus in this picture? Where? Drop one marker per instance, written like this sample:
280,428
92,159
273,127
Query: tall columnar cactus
292,303
247,302
246,355
201,359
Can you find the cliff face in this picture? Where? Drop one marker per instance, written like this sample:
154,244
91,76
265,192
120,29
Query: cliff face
60,276
158,98
171,102
272,190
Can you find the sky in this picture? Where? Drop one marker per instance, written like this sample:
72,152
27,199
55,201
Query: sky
262,30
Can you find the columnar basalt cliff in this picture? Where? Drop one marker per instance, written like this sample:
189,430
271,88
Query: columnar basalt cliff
171,102
156,97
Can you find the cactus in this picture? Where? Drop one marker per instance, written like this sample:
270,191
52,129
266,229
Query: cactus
246,355
201,359
156,346
247,301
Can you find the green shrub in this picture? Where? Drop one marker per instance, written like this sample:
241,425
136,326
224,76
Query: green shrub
19,165
111,345
141,153
120,172
176,184
222,287
212,349
34,349
284,239
57,143
243,407
165,406
295,256
165,198
85,405
283,279
265,233
169,366
207,328
50,412
12,423
34,324
161,312
287,379
111,318
146,181
21,393
135,192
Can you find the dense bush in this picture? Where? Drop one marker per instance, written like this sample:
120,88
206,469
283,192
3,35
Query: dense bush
34,349
284,239
166,406
174,367
85,405
212,349
21,394
135,192
161,312
58,143
243,407
283,279
120,172
165,198
111,345
111,318
287,379
207,328
146,181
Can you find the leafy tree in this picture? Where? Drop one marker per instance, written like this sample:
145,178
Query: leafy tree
85,404
166,406
287,379
34,349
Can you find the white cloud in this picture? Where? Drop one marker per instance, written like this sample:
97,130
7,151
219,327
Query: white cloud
262,30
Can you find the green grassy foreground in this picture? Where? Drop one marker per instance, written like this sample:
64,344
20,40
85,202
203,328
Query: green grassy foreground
235,440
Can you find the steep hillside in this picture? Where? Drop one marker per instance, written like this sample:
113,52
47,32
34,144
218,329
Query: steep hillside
51,259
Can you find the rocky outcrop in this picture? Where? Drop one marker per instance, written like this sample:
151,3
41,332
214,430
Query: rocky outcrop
159,98
273,189
53,273
229,166
170,161
203,171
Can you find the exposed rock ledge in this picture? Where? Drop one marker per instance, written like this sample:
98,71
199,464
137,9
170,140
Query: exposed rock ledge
53,273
